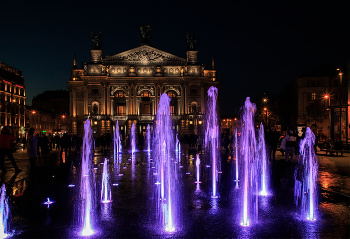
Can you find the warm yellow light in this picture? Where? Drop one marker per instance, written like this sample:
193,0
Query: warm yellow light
235,119
200,122
265,100
63,116
265,108
33,112
95,122
191,122
121,127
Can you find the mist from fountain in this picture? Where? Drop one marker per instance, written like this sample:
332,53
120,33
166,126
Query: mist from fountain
306,186
263,161
4,212
212,136
106,194
87,195
164,155
249,165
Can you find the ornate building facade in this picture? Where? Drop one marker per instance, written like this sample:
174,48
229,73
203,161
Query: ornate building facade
12,99
127,87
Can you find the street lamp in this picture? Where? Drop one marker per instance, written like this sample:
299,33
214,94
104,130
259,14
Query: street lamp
265,109
340,103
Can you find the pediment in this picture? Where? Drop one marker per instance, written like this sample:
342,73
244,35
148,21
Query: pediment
145,55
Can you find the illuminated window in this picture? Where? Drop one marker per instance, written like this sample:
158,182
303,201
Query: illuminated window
313,96
120,103
145,94
119,94
173,102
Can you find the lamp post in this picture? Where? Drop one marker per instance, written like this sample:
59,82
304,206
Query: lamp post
265,109
340,103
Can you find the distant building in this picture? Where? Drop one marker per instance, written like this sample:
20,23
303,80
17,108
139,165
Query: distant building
49,112
12,99
321,94
127,86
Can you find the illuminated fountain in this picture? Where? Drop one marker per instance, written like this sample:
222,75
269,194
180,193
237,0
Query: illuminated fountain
164,155
117,141
249,165
133,139
106,194
87,182
198,162
212,136
4,212
306,189
148,136
263,162
236,154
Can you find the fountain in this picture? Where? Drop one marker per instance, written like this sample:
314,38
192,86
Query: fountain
117,141
236,154
263,162
198,162
148,135
106,194
87,194
4,212
249,165
212,136
133,139
164,155
306,188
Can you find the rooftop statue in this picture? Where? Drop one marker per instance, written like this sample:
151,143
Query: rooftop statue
145,33
96,41
191,42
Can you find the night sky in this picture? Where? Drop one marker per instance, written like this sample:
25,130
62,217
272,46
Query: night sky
258,46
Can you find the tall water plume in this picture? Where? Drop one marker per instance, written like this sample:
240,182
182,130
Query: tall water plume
306,186
236,155
212,136
4,212
198,162
263,163
133,139
117,141
249,165
87,191
164,155
106,194
148,136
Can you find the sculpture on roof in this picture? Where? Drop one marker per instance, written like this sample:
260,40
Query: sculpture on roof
145,33
96,41
191,42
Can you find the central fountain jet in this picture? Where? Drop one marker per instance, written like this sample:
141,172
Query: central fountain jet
212,136
164,155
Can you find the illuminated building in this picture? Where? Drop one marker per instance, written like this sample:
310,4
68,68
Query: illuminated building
12,99
127,86
319,96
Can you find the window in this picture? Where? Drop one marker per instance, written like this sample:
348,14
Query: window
119,94
173,102
120,103
145,94
95,91
313,96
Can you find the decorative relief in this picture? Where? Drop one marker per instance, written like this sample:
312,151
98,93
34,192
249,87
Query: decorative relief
124,88
141,88
175,88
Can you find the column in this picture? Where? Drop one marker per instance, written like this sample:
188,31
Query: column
108,99
112,106
182,100
129,106
155,98
86,103
103,101
134,102
74,103
186,100
202,100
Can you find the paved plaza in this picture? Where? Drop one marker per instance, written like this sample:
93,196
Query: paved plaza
131,212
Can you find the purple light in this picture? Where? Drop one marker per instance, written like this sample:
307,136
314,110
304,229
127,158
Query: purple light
4,212
106,194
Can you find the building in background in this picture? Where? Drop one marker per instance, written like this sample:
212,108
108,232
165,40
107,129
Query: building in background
127,87
321,95
12,99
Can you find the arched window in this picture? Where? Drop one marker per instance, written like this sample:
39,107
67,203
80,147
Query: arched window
145,104
173,102
119,103
194,107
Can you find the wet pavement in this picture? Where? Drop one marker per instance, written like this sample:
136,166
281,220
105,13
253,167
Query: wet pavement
134,211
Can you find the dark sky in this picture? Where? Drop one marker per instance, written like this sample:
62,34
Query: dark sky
258,46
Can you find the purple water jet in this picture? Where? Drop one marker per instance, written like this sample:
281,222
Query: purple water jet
148,135
263,162
164,155
236,155
117,141
249,165
106,194
133,139
4,212
212,136
306,187
87,182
